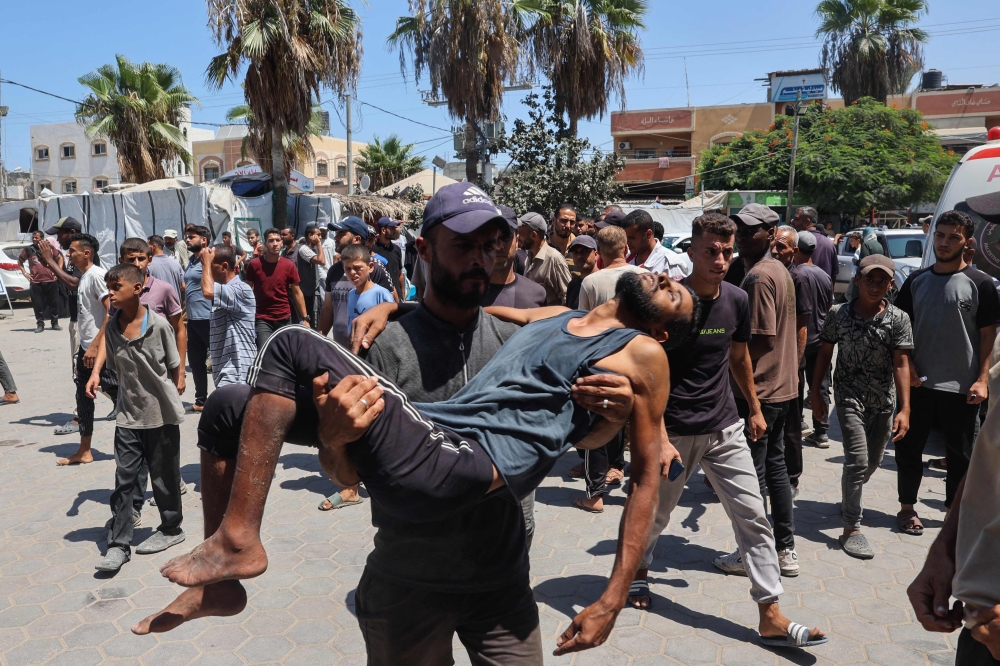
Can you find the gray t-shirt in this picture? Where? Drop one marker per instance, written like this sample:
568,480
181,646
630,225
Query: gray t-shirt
947,312
483,546
147,397
168,270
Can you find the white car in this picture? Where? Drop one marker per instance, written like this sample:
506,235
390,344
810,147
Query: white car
16,284
904,246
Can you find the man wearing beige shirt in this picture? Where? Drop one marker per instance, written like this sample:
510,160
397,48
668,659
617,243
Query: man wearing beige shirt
561,235
546,265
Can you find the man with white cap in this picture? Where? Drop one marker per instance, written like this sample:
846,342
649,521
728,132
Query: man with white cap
176,248
546,265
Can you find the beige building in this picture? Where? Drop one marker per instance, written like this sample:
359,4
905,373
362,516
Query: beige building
328,167
662,146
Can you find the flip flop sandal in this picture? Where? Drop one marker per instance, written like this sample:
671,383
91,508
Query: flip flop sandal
338,502
909,523
640,588
857,546
796,636
577,472
614,477
578,503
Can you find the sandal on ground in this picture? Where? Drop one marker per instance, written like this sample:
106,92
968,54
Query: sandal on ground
857,546
578,503
909,523
796,636
640,588
614,477
335,501
577,472
67,428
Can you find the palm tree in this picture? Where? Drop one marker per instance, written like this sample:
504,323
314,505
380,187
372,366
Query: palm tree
290,48
137,107
469,50
588,49
389,162
298,149
870,47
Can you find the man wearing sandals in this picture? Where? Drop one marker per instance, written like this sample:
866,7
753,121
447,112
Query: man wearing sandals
954,309
703,425
873,339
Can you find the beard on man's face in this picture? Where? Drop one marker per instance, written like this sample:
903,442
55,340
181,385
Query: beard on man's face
637,299
944,258
448,286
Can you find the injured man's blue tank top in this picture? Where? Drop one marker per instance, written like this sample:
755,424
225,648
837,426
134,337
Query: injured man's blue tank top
520,408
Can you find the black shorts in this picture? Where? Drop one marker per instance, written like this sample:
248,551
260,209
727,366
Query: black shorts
414,469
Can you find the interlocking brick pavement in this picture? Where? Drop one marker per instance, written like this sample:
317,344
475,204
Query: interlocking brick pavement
56,609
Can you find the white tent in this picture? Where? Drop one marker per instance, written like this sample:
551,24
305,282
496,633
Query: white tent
424,179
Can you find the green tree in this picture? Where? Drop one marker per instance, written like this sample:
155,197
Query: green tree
389,162
871,48
588,48
298,149
469,49
851,160
290,49
549,168
137,107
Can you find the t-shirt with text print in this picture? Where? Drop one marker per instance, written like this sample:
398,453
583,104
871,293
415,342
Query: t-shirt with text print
701,400
863,378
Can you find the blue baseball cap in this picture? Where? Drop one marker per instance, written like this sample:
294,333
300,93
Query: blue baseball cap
387,222
463,208
511,217
353,224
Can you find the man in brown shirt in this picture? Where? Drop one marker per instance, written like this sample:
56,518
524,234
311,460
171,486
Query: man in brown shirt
546,265
774,352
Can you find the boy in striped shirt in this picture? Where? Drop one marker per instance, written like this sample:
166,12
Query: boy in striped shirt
233,339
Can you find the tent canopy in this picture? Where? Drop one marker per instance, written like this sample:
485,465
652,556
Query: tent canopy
424,179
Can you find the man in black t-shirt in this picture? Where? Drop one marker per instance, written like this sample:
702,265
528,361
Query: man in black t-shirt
508,287
388,231
703,425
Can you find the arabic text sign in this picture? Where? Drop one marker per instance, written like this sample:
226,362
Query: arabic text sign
646,121
787,88
980,102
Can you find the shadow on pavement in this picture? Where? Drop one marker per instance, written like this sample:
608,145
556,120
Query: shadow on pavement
71,447
49,420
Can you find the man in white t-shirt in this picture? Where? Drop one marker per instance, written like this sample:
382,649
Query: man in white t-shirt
647,252
599,287
92,314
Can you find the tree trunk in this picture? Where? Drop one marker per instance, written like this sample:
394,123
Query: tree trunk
573,123
471,153
279,181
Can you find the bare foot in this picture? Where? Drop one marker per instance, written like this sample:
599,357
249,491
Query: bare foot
78,458
350,494
774,624
216,559
220,599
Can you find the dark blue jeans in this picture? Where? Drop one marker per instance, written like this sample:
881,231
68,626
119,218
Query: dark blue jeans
768,455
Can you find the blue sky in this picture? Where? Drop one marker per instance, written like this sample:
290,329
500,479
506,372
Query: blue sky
49,47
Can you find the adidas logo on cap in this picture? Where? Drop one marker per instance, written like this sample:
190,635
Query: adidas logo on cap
476,195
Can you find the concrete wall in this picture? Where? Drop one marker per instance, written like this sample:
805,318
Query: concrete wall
56,171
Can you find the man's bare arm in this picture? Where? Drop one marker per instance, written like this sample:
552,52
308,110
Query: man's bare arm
980,390
930,591
801,334
741,367
645,364
326,314
180,339
300,301
525,317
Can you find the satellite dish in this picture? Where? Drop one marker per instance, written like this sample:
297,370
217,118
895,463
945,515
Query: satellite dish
366,182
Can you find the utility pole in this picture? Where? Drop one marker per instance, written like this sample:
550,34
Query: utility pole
350,149
795,149
687,84
3,170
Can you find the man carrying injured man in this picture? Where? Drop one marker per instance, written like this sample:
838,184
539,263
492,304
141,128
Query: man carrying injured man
508,426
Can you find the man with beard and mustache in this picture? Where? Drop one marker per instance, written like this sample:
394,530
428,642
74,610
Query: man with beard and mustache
507,287
775,355
561,233
954,309
546,265
199,314
467,574
349,231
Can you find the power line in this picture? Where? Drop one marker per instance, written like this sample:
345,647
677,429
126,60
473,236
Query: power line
377,108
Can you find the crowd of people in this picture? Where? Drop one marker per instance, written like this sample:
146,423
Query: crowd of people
528,336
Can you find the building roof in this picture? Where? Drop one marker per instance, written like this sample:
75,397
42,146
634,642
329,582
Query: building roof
231,132
423,178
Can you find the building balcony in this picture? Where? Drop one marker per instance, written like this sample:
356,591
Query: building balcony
655,154
651,170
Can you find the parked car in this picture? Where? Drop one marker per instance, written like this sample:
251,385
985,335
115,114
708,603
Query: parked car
677,243
13,279
904,246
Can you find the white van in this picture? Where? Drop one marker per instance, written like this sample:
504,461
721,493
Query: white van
976,174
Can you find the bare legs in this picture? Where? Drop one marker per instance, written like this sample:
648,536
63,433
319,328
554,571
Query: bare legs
82,455
219,599
234,551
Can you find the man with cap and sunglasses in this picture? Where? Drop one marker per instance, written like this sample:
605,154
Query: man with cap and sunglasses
507,287
873,339
427,579
546,265
583,250
774,353
387,231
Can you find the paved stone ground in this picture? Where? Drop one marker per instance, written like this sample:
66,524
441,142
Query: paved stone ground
55,609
